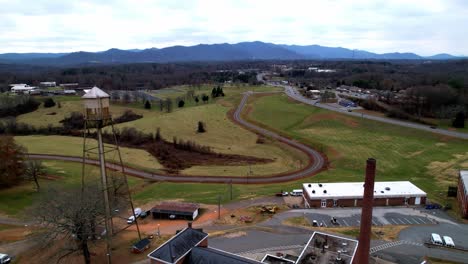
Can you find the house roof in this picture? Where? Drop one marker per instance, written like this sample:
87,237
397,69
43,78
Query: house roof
356,190
94,93
178,246
175,207
200,255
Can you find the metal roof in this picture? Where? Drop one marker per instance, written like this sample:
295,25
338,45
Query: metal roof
94,93
178,246
200,255
175,207
356,190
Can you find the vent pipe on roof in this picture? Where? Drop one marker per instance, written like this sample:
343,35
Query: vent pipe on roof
362,253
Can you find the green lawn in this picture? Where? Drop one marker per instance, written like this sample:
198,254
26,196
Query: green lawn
428,160
73,146
62,174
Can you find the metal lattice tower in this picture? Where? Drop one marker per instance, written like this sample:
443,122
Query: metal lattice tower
97,116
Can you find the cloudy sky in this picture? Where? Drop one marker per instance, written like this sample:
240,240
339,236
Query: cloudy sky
425,27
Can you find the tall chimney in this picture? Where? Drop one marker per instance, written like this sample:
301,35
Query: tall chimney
362,254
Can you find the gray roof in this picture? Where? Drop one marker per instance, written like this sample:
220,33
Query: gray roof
200,255
179,245
464,177
95,92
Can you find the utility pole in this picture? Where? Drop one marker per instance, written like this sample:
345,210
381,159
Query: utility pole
230,187
219,207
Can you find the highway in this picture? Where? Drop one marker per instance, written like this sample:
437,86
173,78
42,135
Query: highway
316,161
294,94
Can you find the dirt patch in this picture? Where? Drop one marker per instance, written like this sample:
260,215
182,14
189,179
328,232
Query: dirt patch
175,159
414,154
13,234
225,103
330,116
249,215
441,144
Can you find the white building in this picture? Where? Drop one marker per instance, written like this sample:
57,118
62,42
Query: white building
47,84
349,194
22,88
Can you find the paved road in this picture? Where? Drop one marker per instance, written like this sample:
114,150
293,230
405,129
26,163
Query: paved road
316,163
291,92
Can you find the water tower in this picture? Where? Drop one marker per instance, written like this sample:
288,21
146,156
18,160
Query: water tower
97,116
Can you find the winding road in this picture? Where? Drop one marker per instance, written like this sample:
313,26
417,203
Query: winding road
316,160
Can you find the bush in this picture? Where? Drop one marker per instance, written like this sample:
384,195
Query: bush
147,105
49,102
127,116
201,127
181,103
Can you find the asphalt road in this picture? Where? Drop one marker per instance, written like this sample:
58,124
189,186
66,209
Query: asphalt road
317,162
291,92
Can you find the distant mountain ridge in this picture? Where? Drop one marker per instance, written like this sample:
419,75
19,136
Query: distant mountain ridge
256,50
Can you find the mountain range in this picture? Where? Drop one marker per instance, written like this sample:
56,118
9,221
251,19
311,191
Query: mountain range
212,52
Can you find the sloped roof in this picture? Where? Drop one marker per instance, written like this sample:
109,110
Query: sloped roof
175,207
95,92
178,246
200,255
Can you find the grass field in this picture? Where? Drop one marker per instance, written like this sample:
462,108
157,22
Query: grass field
73,146
63,174
428,160
43,116
222,135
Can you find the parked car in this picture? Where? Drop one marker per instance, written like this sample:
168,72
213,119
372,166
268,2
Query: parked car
285,194
314,223
4,258
137,213
435,239
448,241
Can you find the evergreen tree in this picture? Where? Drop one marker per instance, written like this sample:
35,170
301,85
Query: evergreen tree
147,105
459,121
181,103
49,102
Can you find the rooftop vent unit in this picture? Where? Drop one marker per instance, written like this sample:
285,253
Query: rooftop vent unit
310,185
320,185
387,188
324,191
381,191
313,191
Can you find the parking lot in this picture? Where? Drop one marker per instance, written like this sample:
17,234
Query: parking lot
390,218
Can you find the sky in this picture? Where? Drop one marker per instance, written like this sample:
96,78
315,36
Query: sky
425,27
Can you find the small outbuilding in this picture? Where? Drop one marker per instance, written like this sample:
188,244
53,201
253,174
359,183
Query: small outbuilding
175,210
141,246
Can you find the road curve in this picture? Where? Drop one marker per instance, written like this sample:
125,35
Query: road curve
316,161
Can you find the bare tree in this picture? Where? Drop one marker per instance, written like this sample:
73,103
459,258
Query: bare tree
33,170
73,217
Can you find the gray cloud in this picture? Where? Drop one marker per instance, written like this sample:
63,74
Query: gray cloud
421,26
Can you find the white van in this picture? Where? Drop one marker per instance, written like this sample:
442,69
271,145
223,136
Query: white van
448,241
131,219
296,192
435,239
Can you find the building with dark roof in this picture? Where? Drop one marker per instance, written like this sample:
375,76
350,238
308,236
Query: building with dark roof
173,210
190,246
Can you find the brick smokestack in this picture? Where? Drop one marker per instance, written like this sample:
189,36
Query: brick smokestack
362,254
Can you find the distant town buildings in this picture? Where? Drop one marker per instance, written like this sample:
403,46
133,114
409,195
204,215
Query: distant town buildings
21,88
47,84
